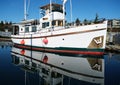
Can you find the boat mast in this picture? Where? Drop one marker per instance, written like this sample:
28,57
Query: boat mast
64,1
50,6
25,12
51,14
71,10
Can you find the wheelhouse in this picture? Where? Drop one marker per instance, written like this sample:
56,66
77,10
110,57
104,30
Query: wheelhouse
52,17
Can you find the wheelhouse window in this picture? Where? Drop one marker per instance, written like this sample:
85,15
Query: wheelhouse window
34,29
16,30
45,24
26,29
53,23
60,23
57,23
57,8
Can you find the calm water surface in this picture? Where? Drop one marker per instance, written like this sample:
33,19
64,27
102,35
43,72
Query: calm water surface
26,67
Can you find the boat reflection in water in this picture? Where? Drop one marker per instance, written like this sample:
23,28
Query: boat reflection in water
54,68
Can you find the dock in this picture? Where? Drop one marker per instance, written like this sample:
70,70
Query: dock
113,48
6,39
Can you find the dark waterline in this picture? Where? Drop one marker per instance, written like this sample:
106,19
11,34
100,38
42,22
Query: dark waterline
13,73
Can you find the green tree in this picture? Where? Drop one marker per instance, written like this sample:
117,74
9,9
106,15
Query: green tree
85,21
5,25
96,18
10,23
77,22
1,25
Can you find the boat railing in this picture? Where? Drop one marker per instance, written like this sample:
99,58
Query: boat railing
55,28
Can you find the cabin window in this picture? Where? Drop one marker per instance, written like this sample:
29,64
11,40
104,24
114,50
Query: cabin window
26,62
26,29
44,25
34,29
53,23
34,64
60,23
55,8
47,24
16,30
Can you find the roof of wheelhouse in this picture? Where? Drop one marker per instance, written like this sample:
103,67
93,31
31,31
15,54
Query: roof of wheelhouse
48,6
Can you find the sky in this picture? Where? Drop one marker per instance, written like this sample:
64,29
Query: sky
13,10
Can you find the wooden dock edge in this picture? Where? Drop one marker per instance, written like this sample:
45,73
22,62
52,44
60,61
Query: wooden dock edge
5,39
113,48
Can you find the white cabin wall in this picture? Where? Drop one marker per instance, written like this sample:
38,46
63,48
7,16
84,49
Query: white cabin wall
57,16
21,29
50,17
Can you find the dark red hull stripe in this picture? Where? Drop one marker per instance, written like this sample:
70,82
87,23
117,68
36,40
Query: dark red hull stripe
61,51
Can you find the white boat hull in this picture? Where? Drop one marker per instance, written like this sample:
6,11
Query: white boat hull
89,39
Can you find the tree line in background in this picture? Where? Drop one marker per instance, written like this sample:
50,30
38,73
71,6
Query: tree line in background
5,25
77,22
